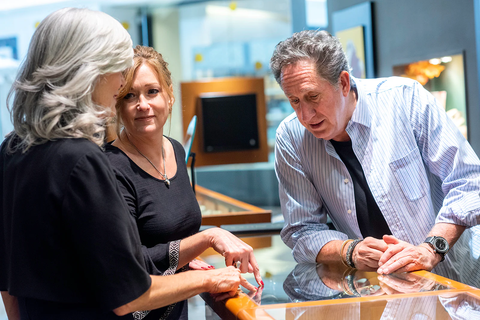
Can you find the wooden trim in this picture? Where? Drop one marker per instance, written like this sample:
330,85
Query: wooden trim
239,307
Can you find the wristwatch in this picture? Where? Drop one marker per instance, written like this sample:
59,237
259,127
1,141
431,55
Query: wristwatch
439,244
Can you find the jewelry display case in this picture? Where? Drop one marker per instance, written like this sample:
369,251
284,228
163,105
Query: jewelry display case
218,209
316,291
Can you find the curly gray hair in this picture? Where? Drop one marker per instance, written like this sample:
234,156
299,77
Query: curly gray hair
320,47
69,51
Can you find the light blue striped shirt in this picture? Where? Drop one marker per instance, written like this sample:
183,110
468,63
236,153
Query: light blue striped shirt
419,168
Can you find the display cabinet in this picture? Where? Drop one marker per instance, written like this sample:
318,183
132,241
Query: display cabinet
218,209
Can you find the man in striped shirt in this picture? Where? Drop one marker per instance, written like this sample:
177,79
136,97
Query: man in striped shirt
380,158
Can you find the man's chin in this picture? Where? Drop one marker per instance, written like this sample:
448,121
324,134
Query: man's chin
319,135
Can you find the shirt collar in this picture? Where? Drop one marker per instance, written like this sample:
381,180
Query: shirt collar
361,114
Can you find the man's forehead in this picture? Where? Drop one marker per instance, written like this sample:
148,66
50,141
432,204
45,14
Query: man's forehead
299,78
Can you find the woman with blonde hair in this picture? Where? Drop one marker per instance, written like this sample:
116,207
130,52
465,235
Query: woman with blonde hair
68,246
153,179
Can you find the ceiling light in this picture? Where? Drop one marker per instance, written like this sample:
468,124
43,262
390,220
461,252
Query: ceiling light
446,59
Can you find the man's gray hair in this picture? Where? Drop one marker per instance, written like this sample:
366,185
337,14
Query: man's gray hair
53,90
319,47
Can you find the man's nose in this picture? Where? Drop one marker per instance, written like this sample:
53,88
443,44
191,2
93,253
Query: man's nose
306,112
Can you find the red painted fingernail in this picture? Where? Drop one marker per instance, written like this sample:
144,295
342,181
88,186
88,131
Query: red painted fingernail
263,285
212,267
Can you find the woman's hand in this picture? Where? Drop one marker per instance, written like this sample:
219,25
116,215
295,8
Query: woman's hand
224,283
234,250
197,264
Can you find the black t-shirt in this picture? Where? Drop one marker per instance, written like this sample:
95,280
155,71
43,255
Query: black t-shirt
164,215
69,249
370,218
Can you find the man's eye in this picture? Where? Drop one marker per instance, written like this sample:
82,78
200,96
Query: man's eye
313,97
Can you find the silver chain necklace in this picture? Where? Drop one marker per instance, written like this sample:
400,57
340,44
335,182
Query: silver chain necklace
164,175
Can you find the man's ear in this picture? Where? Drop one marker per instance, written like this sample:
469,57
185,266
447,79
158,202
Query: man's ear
345,83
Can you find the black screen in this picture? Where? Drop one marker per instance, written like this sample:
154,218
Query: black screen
229,122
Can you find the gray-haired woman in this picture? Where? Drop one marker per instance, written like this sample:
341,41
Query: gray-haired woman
68,246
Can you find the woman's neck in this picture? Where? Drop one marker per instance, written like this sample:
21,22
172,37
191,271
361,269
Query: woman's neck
145,147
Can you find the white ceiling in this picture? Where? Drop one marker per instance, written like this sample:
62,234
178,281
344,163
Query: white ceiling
19,4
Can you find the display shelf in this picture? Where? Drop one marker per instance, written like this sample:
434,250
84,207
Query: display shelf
218,209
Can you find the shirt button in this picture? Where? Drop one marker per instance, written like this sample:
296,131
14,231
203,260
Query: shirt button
349,211
346,181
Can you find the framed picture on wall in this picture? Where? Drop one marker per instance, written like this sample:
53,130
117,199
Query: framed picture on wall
354,25
353,44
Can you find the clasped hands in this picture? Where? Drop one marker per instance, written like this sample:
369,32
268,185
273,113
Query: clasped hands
390,255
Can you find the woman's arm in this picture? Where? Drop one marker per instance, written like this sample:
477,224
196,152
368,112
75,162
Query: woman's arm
225,243
11,306
166,290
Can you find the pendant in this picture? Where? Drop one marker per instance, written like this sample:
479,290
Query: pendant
167,183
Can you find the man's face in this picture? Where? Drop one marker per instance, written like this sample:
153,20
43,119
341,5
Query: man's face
320,107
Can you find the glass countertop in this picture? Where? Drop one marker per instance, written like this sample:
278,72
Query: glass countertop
290,286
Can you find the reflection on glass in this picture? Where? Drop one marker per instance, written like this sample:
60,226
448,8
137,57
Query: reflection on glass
309,282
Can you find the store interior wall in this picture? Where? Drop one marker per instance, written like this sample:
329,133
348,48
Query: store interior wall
166,40
403,32
411,30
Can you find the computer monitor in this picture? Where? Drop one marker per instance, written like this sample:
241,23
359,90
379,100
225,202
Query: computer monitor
229,122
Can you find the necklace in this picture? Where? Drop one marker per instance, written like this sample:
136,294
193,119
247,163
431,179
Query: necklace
164,175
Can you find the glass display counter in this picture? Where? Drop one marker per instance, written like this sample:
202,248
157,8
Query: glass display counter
218,209
310,291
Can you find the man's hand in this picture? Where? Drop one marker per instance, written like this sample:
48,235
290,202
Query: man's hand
402,256
367,253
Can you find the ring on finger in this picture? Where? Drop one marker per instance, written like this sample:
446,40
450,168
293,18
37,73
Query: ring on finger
237,264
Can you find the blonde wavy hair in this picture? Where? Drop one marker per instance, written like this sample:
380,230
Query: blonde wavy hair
148,56
69,51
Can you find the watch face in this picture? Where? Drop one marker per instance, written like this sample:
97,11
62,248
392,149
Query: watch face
441,245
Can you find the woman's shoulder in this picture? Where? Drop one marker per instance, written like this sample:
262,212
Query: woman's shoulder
117,157
66,147
175,143
75,151
177,146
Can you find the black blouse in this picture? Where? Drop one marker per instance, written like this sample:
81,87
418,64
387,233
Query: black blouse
164,215
68,247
